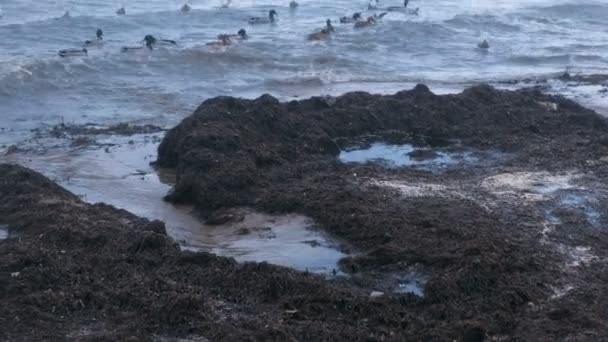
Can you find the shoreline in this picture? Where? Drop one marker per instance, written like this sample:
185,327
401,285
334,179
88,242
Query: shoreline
499,231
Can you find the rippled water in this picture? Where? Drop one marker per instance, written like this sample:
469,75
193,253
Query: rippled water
527,37
404,155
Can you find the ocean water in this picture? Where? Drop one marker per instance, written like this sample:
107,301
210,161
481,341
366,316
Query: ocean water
528,38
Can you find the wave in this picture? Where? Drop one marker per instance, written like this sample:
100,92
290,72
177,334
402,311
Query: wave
581,12
478,21
40,76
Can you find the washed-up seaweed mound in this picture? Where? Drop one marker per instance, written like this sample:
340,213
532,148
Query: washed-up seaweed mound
488,267
76,271
229,146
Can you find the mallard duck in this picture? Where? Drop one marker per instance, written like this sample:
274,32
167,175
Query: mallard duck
121,11
348,20
261,20
241,34
97,41
484,45
185,8
223,41
379,15
149,40
328,26
324,33
321,35
293,4
370,21
73,52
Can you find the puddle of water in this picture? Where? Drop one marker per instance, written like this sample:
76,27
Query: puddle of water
573,200
287,240
552,218
534,186
401,282
405,155
413,284
122,177
3,232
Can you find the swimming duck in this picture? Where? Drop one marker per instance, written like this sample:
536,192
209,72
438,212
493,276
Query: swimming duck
484,45
73,52
185,8
370,21
261,20
328,26
380,16
324,33
149,40
293,4
121,11
66,15
348,20
99,40
241,34
321,35
223,40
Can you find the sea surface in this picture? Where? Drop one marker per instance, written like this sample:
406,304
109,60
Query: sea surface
529,40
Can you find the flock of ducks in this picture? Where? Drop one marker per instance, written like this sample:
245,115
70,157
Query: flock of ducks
357,19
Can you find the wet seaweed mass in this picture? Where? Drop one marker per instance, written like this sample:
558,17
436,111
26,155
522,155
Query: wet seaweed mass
498,203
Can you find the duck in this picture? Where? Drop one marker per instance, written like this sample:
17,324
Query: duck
349,20
484,45
223,41
293,4
121,11
321,35
66,15
73,52
149,40
324,33
185,8
241,35
98,41
370,21
379,16
226,4
261,20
